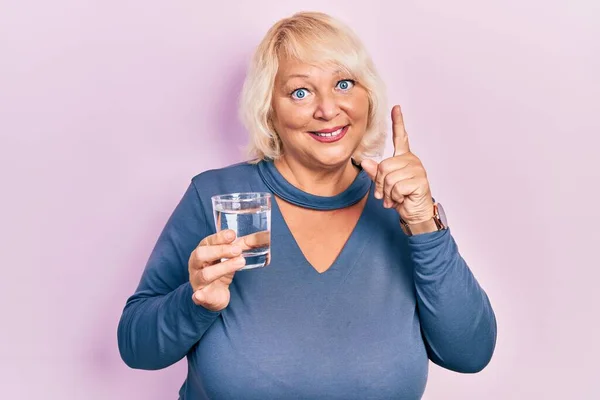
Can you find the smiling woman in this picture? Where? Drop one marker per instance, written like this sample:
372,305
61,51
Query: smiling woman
323,54
359,293
313,105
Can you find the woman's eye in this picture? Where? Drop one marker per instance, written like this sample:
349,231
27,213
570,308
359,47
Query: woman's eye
345,84
299,94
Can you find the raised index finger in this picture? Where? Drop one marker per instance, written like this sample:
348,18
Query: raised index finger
400,137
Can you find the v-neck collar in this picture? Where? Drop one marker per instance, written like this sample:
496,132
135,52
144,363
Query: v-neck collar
357,241
350,253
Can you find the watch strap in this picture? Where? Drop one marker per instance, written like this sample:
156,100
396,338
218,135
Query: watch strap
433,225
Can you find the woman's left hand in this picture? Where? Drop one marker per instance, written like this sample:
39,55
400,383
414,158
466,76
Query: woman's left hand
401,180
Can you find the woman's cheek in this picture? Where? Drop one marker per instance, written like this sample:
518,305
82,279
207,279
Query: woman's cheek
300,117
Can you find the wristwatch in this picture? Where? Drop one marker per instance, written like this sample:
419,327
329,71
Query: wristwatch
437,223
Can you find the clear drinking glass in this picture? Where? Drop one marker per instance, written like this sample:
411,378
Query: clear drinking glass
249,215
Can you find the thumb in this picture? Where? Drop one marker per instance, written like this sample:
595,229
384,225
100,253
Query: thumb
370,167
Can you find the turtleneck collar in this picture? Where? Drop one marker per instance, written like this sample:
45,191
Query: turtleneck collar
275,181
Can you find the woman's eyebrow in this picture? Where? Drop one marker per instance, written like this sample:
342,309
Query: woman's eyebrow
285,82
287,78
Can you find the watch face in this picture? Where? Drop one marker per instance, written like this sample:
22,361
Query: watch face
442,214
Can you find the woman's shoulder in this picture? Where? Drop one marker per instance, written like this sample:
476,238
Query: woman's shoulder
240,170
238,177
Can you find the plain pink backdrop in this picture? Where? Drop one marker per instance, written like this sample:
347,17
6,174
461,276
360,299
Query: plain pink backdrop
108,108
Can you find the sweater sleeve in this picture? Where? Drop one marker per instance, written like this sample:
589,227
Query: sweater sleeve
160,322
457,320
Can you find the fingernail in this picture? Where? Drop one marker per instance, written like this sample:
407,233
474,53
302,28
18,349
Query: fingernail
235,250
377,194
229,235
240,261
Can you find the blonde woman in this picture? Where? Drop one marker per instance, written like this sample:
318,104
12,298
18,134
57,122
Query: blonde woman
365,283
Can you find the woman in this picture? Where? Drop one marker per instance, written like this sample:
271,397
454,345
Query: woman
365,282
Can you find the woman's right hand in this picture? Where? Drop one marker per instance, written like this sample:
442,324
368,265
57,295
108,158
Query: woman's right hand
210,278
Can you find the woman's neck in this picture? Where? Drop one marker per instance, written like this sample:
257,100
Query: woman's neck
319,182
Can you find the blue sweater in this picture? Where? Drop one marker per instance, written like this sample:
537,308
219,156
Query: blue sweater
363,329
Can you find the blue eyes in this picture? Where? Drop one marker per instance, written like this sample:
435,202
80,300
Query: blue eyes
299,93
343,85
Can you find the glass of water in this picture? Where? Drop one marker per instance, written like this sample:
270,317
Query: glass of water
249,216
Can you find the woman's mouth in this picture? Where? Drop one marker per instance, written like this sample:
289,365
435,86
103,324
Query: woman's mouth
330,135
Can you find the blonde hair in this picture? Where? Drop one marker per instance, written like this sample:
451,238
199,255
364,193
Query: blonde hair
318,39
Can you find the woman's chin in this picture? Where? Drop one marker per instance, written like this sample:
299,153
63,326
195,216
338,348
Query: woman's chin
332,158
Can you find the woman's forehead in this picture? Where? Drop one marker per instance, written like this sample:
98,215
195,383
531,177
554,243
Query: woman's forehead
293,68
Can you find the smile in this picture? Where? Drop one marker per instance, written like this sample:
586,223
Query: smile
330,135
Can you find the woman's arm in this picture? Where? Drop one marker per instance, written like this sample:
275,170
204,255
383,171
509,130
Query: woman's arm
161,322
457,320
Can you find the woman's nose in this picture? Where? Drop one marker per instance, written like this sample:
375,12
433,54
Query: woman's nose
327,108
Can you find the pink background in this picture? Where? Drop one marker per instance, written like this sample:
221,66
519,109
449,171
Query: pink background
108,108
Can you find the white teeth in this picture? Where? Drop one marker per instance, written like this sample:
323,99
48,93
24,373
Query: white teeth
335,133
